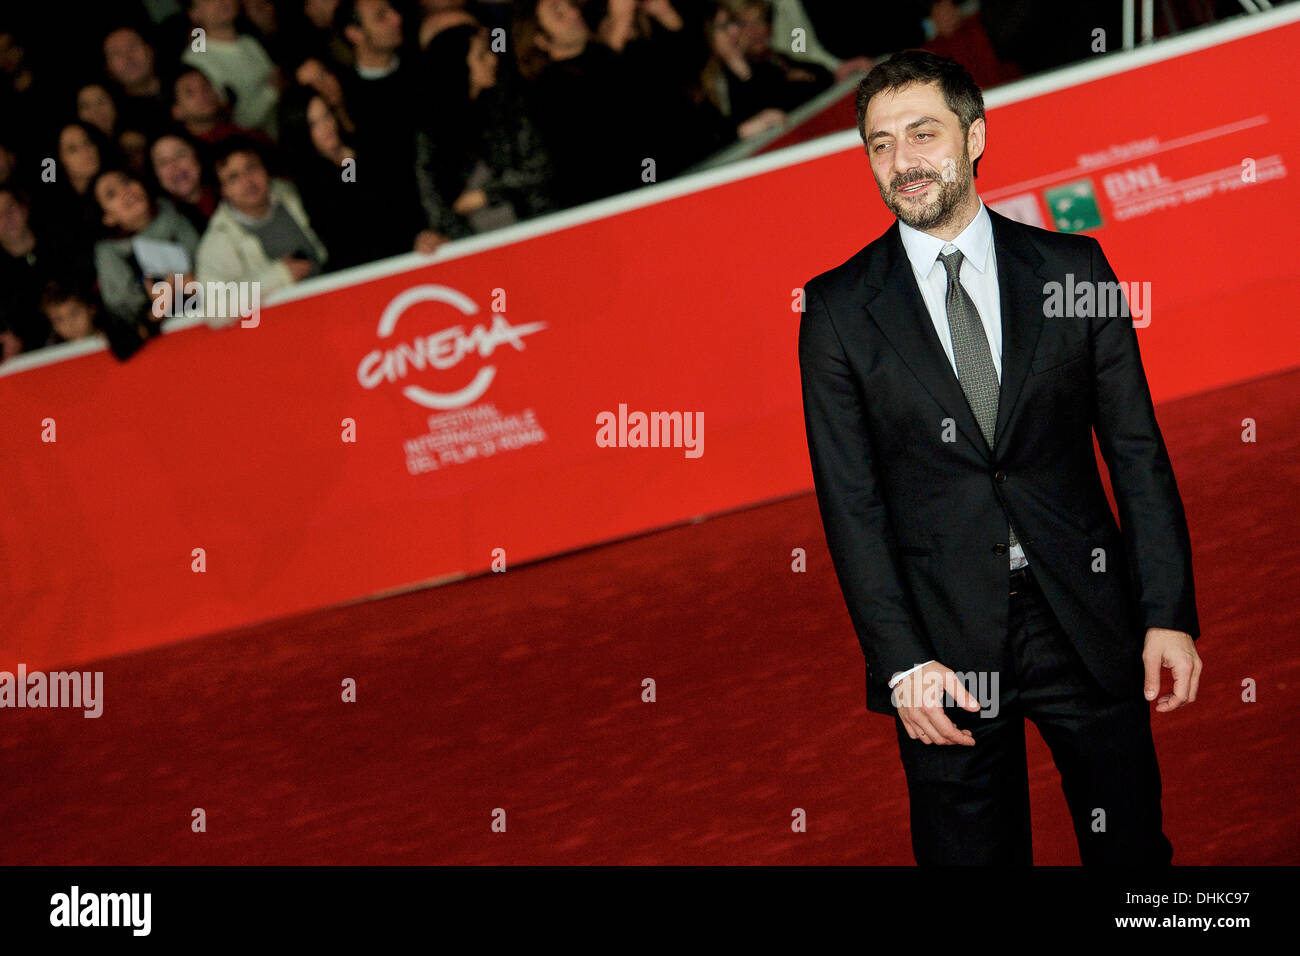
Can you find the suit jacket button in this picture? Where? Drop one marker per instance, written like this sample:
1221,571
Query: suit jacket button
999,476
999,549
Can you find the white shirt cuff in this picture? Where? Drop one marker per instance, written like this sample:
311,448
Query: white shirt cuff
893,681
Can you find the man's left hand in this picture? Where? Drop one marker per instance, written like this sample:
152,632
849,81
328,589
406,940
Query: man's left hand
1176,650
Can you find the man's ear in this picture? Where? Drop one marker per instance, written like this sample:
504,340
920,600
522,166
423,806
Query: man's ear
975,139
353,34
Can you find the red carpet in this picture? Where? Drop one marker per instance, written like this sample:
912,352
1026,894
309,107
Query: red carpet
522,691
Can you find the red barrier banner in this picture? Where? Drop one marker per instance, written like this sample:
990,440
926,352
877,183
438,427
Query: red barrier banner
620,368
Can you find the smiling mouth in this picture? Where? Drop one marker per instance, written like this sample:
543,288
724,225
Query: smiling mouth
913,188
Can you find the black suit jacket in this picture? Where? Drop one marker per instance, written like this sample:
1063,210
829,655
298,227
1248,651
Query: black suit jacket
917,525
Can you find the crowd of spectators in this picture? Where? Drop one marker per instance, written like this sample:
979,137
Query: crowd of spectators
262,141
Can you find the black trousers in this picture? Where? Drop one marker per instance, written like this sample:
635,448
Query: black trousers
970,805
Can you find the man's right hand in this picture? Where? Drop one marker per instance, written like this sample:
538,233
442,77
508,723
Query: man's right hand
920,705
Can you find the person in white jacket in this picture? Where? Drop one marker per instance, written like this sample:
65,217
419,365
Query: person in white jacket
234,61
259,232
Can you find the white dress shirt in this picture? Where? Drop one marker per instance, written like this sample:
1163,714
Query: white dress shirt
979,277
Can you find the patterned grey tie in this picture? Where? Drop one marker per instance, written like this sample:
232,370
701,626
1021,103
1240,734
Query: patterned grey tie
970,346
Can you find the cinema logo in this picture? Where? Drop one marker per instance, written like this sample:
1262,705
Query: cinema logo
651,430
1100,300
72,689
442,350
75,909
226,301
930,689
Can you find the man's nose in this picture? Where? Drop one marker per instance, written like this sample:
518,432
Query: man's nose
905,159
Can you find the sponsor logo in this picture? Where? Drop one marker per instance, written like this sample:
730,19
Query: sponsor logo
1074,206
440,351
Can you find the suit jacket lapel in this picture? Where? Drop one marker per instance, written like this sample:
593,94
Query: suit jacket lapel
893,301
1020,289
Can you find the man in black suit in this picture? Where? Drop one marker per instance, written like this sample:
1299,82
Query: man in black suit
950,406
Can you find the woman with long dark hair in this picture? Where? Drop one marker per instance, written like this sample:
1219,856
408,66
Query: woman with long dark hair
480,162
96,105
65,207
355,212
747,77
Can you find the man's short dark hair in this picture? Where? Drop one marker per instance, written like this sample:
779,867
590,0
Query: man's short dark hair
960,92
346,15
764,7
231,145
19,194
180,73
118,169
62,289
133,25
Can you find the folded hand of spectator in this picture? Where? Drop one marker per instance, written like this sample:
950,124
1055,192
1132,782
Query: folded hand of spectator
468,201
10,345
663,11
299,267
428,241
859,64
760,123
